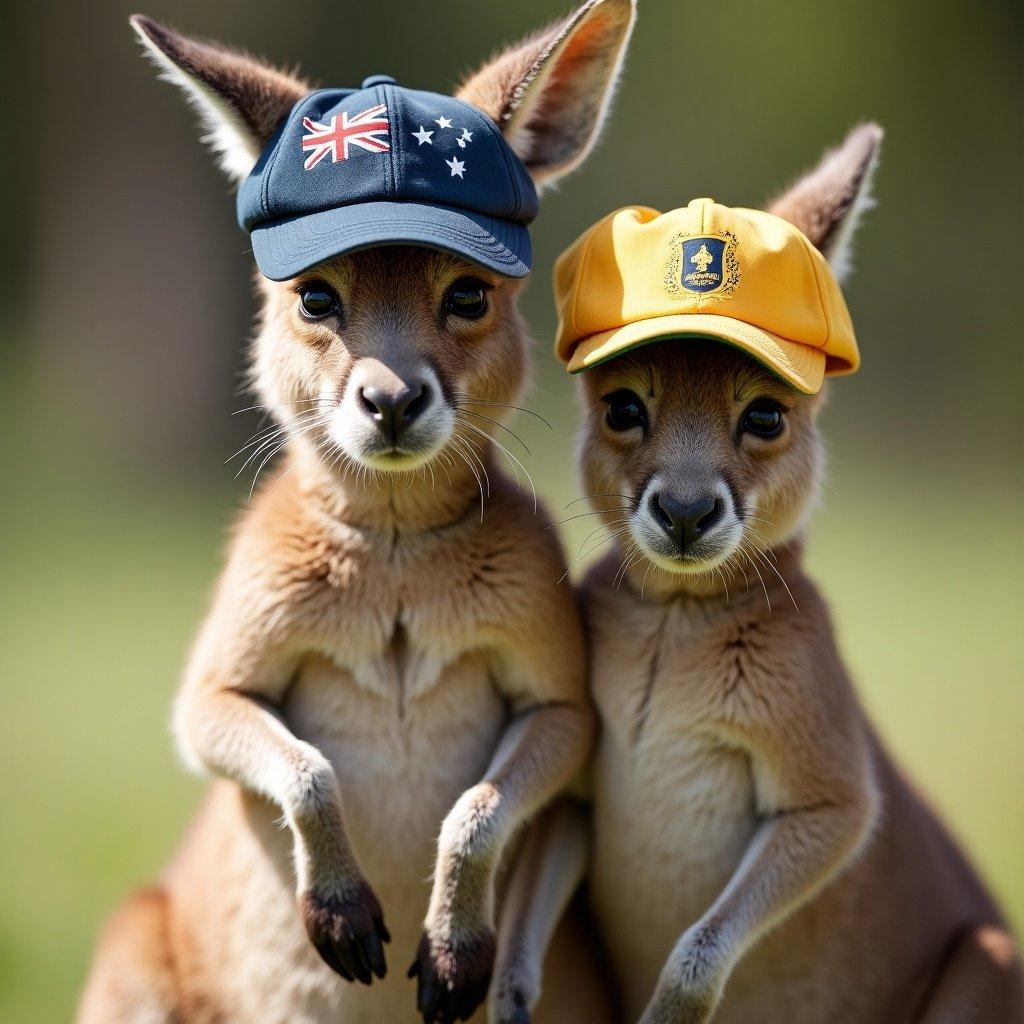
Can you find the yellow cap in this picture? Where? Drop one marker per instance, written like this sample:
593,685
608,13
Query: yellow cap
745,277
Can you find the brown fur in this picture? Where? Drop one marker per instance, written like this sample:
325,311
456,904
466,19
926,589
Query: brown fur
260,94
388,668
757,856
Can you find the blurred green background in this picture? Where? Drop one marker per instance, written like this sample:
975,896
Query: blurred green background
125,302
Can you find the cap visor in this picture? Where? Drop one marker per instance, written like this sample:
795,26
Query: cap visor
802,366
286,247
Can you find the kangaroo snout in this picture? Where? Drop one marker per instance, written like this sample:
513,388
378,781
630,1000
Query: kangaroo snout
684,520
392,415
394,408
686,524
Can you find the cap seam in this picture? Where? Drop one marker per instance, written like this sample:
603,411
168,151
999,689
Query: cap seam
391,102
817,284
577,287
506,154
272,160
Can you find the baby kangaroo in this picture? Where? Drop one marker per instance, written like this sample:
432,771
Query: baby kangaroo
757,855
388,670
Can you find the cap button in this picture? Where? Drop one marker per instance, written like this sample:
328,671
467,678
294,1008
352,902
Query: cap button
369,83
703,199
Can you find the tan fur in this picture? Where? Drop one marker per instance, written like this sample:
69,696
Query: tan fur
757,856
571,67
389,682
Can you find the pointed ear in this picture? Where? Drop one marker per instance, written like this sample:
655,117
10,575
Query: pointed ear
240,100
828,203
551,93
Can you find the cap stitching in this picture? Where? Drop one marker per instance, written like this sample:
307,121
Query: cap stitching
817,284
578,285
272,159
391,102
506,153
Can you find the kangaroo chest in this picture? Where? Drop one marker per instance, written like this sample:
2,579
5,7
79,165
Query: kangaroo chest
396,690
673,803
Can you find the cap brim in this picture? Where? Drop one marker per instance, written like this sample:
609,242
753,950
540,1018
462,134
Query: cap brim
287,247
802,366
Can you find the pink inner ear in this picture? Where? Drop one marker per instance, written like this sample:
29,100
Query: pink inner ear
595,35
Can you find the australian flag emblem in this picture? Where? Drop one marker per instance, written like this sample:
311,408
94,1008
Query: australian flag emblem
702,266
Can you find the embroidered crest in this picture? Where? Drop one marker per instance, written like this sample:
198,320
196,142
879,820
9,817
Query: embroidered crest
368,130
703,264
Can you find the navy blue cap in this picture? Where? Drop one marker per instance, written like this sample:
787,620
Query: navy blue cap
381,165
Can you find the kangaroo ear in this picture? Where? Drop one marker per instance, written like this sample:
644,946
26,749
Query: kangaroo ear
551,93
240,100
828,203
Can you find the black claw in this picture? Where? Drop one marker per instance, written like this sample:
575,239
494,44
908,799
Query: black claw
374,953
429,999
327,954
343,950
362,965
382,929
414,969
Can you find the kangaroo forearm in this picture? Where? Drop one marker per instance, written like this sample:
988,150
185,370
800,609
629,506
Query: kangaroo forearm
789,859
241,738
537,757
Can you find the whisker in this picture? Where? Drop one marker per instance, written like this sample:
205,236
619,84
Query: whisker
583,515
764,587
497,423
455,442
587,496
581,554
273,440
468,444
765,562
514,459
281,405
502,405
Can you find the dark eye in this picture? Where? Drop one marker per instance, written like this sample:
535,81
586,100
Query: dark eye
318,300
625,410
763,418
467,298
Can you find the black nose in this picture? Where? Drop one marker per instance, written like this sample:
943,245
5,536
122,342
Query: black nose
686,521
394,410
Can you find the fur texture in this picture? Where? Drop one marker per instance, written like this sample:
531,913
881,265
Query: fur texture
240,100
829,203
757,856
551,94
388,667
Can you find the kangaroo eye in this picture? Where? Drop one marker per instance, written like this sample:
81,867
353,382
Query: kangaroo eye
467,298
763,418
625,410
318,300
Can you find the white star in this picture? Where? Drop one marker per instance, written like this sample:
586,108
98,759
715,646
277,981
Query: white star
442,122
467,136
422,135
458,167
462,143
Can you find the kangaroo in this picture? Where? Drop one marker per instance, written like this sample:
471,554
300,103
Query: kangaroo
389,684
757,855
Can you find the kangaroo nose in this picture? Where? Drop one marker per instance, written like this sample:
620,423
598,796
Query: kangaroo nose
686,521
394,410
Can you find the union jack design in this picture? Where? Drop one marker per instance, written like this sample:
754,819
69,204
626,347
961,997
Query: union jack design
367,130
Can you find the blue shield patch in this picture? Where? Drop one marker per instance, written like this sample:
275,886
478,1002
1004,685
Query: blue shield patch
703,264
